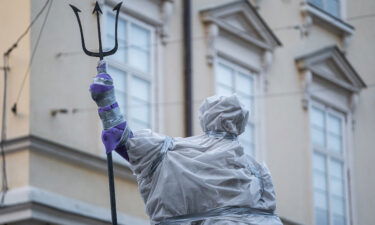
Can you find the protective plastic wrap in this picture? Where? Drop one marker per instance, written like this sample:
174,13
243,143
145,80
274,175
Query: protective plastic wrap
205,179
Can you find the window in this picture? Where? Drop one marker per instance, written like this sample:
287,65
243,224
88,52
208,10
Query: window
231,79
331,6
327,130
131,68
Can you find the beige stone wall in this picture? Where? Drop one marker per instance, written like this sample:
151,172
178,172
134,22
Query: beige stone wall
62,81
75,181
13,25
287,150
361,53
61,73
171,76
18,167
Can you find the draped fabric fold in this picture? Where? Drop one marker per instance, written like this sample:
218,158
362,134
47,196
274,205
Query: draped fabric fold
205,179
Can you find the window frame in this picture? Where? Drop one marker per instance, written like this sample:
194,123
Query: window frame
254,113
337,25
325,7
329,156
131,71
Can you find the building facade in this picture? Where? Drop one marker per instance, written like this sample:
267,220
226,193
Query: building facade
302,67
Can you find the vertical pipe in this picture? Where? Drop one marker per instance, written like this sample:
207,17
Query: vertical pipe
4,187
187,68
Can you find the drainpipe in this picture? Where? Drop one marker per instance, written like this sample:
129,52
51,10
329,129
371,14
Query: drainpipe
188,95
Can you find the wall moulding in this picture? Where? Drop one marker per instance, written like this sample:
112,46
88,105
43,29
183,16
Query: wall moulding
313,15
67,154
330,67
241,20
158,15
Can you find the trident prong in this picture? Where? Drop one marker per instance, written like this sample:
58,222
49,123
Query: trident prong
98,11
101,55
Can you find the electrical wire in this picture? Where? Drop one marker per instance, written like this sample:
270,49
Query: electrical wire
6,66
361,17
75,110
27,29
4,179
202,37
179,40
6,57
288,27
32,56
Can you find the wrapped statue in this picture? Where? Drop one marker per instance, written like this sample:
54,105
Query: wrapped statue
205,179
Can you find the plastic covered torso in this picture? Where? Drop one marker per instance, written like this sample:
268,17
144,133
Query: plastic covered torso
197,174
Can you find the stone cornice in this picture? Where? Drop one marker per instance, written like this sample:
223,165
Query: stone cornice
216,15
353,82
67,154
320,16
31,203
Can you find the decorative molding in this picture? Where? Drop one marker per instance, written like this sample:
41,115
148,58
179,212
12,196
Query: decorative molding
212,33
166,15
242,20
329,64
256,4
306,99
238,62
156,22
306,26
160,22
315,15
67,154
31,203
267,60
353,102
346,41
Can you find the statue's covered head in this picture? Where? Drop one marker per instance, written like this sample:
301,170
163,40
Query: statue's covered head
223,114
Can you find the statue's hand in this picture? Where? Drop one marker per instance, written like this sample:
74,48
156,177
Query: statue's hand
115,130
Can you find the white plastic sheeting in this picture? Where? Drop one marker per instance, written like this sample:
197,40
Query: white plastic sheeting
205,179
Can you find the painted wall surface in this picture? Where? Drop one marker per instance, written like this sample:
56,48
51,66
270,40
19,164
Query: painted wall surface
287,151
18,167
14,24
361,53
63,80
171,76
61,73
83,184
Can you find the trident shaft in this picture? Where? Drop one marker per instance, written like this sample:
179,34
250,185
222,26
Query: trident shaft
101,54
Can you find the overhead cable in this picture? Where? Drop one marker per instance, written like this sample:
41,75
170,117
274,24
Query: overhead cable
14,107
6,67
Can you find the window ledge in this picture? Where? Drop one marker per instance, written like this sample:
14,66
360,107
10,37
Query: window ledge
321,17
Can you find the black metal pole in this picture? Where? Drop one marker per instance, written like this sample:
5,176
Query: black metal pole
101,55
112,194
188,95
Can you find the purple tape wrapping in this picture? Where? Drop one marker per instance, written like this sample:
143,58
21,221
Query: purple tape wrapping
111,138
99,88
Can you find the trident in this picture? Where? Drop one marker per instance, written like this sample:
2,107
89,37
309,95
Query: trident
101,55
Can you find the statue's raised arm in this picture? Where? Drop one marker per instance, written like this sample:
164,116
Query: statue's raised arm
206,179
